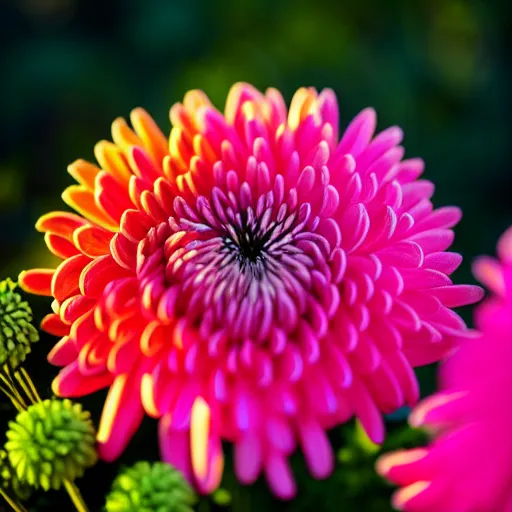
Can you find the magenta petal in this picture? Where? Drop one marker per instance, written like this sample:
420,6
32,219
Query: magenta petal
175,447
317,448
121,417
279,476
248,458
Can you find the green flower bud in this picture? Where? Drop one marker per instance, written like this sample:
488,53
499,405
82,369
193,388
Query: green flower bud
9,481
16,330
50,442
146,487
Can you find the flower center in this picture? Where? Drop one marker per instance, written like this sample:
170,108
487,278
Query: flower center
249,247
240,269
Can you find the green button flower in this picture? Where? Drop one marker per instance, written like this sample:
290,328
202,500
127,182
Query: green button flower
9,481
146,487
16,330
50,442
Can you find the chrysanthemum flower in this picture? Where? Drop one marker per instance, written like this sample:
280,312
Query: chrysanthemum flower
468,465
255,278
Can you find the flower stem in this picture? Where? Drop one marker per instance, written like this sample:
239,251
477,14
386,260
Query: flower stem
13,399
75,496
9,389
31,385
27,388
6,377
17,507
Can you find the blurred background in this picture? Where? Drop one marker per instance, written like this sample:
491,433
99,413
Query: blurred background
438,68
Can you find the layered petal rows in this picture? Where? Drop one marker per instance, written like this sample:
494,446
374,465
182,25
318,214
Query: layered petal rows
468,466
254,278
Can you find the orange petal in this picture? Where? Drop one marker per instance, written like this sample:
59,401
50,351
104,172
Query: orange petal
52,324
171,169
195,99
84,172
92,240
182,119
112,159
37,281
154,140
123,137
186,185
180,148
98,273
60,223
203,149
66,277
60,246
82,200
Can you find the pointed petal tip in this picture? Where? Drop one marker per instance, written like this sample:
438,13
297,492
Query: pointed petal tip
105,452
401,498
369,113
56,386
386,462
475,294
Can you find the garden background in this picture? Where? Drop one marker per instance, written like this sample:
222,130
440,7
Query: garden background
438,68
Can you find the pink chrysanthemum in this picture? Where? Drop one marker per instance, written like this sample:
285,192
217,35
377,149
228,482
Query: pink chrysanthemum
468,466
255,279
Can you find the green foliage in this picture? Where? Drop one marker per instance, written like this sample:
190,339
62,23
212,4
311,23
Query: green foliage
360,486
16,330
50,442
146,487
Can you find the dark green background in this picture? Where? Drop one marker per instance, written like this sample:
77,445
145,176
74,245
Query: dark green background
440,69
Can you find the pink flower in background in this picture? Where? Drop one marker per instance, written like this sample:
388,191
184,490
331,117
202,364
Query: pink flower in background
256,279
468,466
